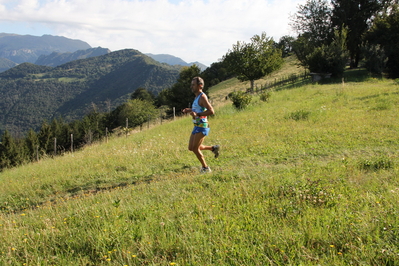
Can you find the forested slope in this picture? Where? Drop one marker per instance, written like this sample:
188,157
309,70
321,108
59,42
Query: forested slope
31,94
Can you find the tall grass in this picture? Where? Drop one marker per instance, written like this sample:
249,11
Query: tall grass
317,191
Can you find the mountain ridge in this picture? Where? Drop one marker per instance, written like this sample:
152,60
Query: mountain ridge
173,60
56,58
28,48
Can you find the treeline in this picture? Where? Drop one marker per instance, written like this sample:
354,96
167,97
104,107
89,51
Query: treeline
334,34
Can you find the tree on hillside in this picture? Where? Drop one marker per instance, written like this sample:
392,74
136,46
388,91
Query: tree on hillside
285,45
143,94
215,74
318,46
356,16
384,35
329,58
137,112
9,153
313,21
45,135
32,144
254,60
180,95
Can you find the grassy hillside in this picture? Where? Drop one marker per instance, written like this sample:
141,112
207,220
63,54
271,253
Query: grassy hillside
308,178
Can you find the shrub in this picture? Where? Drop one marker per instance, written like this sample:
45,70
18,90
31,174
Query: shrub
240,99
265,96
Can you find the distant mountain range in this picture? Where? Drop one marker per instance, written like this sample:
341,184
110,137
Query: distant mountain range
173,60
28,48
51,50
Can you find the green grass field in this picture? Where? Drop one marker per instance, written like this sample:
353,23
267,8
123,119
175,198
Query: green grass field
308,178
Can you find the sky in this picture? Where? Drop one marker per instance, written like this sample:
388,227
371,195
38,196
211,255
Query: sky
193,30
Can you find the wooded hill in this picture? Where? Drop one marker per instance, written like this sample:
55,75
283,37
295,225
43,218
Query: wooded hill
31,94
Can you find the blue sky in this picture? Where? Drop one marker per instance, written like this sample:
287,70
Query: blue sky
194,30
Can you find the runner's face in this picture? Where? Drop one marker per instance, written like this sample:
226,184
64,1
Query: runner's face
194,86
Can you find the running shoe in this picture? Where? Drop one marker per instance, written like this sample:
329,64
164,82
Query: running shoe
206,170
215,150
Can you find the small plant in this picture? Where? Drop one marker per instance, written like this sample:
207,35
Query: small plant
116,203
240,99
299,115
381,163
265,96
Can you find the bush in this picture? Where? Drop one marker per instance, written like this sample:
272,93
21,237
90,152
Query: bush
240,99
265,96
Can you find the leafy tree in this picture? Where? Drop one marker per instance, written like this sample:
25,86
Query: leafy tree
44,136
180,94
31,143
329,58
385,34
356,16
137,112
303,47
59,130
313,20
285,45
143,94
216,73
375,58
9,156
163,98
254,60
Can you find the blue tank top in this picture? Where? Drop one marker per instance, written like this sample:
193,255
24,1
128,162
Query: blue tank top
199,121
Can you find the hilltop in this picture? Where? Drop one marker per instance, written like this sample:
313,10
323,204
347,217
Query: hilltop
309,177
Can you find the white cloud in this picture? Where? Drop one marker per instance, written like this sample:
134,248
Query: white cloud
194,30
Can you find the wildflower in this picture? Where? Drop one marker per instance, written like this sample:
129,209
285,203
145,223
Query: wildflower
172,263
331,246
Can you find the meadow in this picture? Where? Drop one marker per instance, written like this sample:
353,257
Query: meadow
309,177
